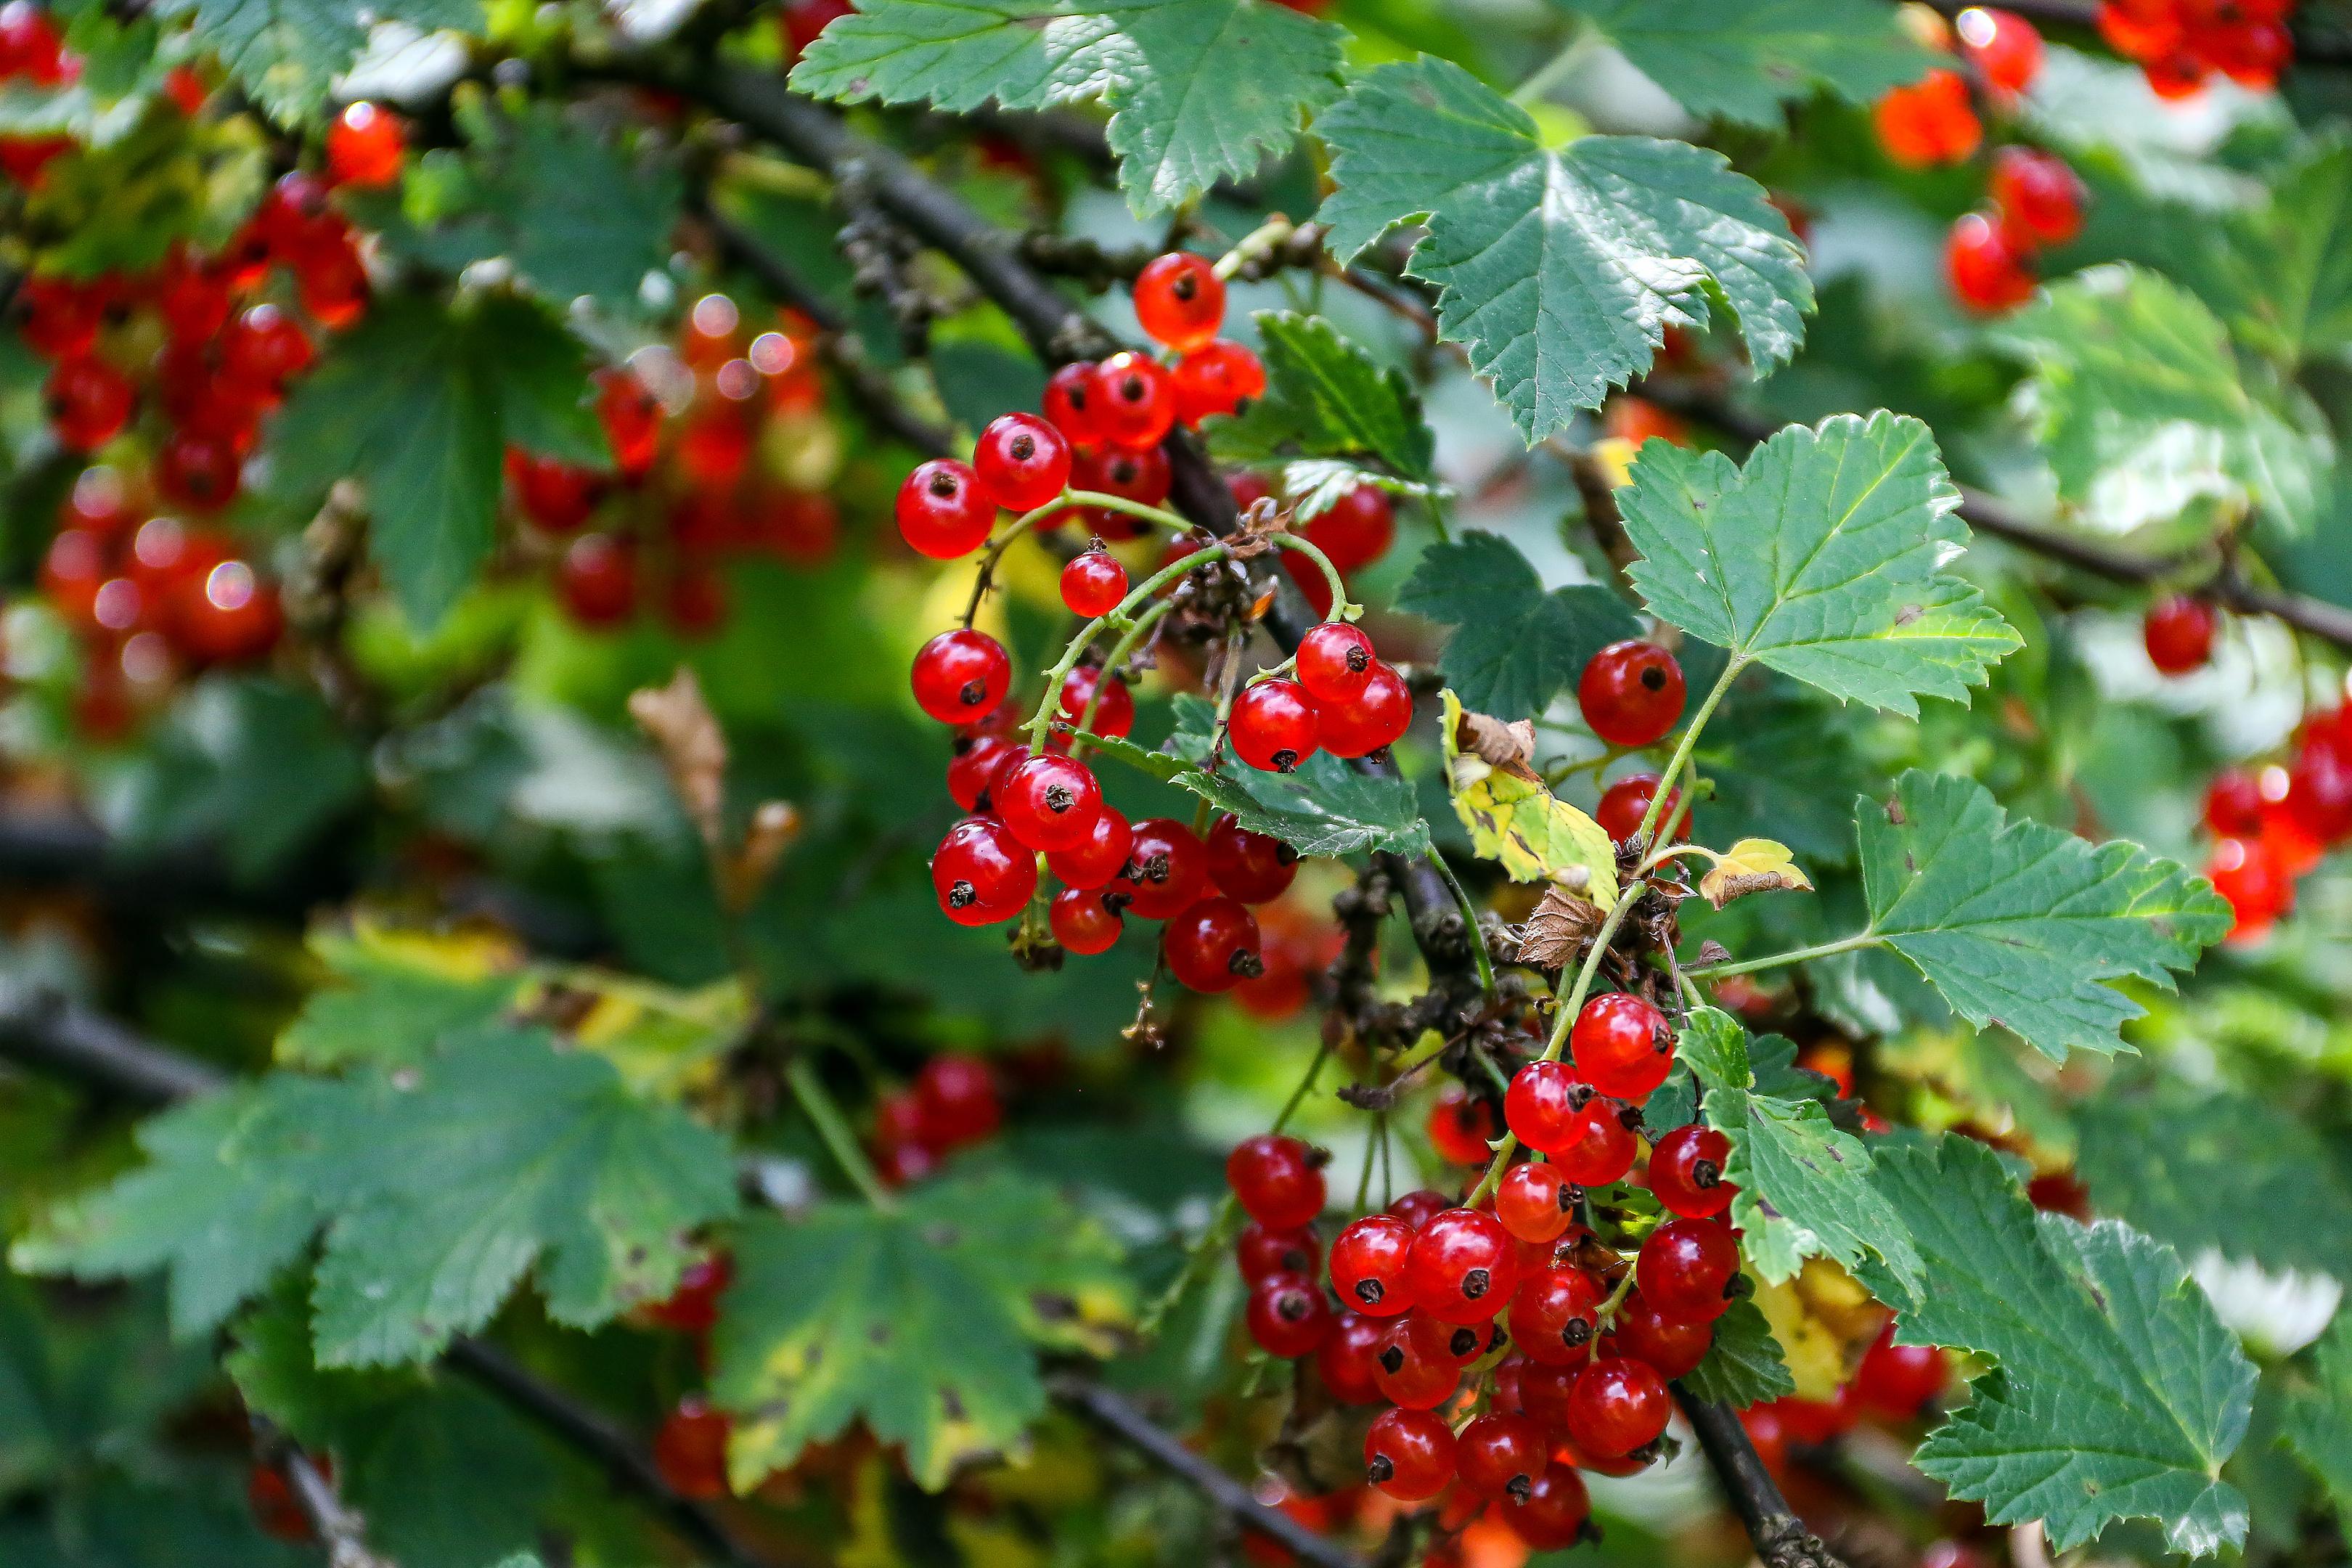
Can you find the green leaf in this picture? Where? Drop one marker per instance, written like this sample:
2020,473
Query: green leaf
419,402
923,1321
2141,407
1199,90
1822,557
2319,1415
1804,1186
1515,646
1559,270
386,1004
2021,925
1744,1365
284,53
2289,262
2117,1393
1325,396
1742,59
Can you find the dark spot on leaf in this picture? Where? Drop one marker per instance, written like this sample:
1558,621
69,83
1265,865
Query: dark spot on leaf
1054,1309
1908,613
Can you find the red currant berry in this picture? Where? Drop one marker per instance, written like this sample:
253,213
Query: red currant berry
1501,1455
1617,1405
1114,715
632,417
2179,631
1068,393
1535,1202
1254,868
942,511
982,873
1928,122
1180,300
2003,45
199,472
1555,1315
1216,378
1554,1513
1021,461
1686,1171
803,21
1462,1266
1273,726
690,1449
956,1103
2233,804
1540,1104
960,675
1083,920
276,1510
553,493
1345,1361
1357,531
1335,663
1143,476
1987,271
88,401
1167,870
192,298
224,615
1686,1267
1049,801
1544,1388
1259,1252
1600,1145
1671,1346
265,347
1279,1180
1623,1046
1459,1126
1093,861
1413,1370
1377,718
365,145
1899,1382
2317,800
1409,1454
62,318
1288,1316
1093,582
2039,198
1626,801
1212,946
1367,1265
1631,693
598,581
1421,1205
1134,402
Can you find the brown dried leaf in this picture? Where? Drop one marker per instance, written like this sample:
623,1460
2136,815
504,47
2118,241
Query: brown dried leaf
1563,923
682,728
1510,747
774,825
1752,866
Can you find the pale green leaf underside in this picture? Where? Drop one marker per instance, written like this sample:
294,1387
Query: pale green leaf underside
1559,270
285,53
1742,59
1822,557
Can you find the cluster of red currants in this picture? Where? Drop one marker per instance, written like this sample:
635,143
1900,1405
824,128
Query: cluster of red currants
33,51
1340,699
1933,121
1893,1382
2272,823
952,1104
686,495
2180,42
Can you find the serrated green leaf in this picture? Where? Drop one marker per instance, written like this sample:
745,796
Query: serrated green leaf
1742,59
923,1321
2141,407
1804,1186
386,1004
285,53
1515,647
2118,1394
1822,557
1199,90
1743,1365
2288,264
1327,398
2024,926
1557,271
2318,1427
1516,822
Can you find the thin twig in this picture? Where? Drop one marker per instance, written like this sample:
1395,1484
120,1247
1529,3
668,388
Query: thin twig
1780,1537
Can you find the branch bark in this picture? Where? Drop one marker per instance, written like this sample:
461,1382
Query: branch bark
1780,1537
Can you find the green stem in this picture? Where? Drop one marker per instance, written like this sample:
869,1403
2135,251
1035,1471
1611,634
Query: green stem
1608,1313
834,1128
1683,749
1340,607
1111,663
1143,509
1116,616
1751,965
1550,74
1478,938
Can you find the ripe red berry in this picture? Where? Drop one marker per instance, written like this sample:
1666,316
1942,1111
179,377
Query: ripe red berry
1540,1102
1083,920
943,511
1501,1455
1167,870
1259,1252
1462,1266
1068,393
1254,868
1214,946
1555,1511
365,145
1598,1147
2233,804
224,615
1022,462
1899,1381
1617,1405
1378,717
200,472
1631,693
1928,122
1686,1171
2179,631
1134,402
956,1101
1623,1046
192,296
2003,45
1367,1265
690,1449
553,493
972,767
598,581
1114,715
1274,725
1094,860
1686,1267
1416,1370
1215,378
1093,582
1180,300
266,347
693,1307
1345,1361
1277,1179
1671,1346
276,1510
61,317
1626,801
1459,1126
632,416
1049,801
960,675
88,401
1555,1315
1288,1316
2317,803
982,874
1143,476
1987,270
1357,531
1409,1454
2040,200
1535,1202
802,21
1335,663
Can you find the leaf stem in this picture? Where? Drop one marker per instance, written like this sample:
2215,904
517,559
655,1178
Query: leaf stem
834,1128
1751,965
1478,938
1116,616
1550,74
1683,749
1111,661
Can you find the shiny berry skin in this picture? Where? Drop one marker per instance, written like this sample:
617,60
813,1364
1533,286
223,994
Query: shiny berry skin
1093,582
1069,394
976,763
1143,476
1631,693
1686,1171
1541,1103
1459,1126
1259,1252
1898,1382
1180,300
1093,861
1049,801
1626,801
1555,1511
1617,1405
1082,922
1535,1202
2039,198
1671,1346
598,581
1378,717
1544,1389
956,1101
1599,1147
982,874
61,317
2003,45
1501,1455
266,347
1622,1045
1985,266
690,1449
1367,1265
1114,715
1278,1180
960,675
1462,1266
1254,868
555,496
1274,725
2317,803
2233,804
1686,1267
1215,378
1928,122
1409,1454
365,145
693,1307
1416,1372
1345,1359
1555,1315
1135,401
192,297
1214,946
1166,872
2178,632
1356,531
632,417
224,615
335,285
943,511
1021,461
199,472
1335,663
88,401
1288,1316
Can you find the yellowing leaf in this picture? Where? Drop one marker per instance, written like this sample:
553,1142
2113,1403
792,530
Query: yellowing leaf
1512,818
1824,1320
1752,866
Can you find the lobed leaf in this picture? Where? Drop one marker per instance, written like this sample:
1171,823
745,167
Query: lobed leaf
2318,1427
1514,647
1744,1365
286,54
1742,59
1326,397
